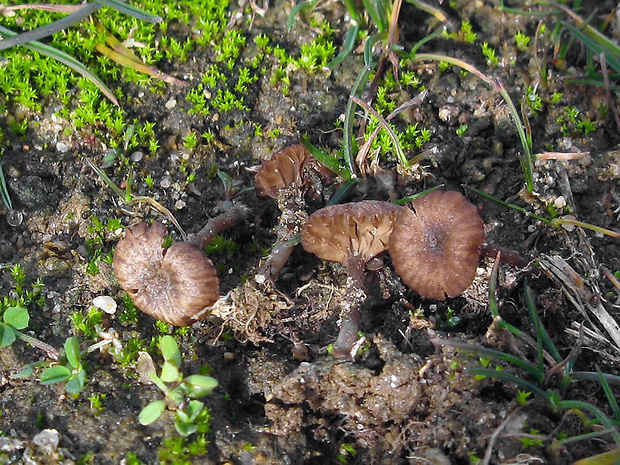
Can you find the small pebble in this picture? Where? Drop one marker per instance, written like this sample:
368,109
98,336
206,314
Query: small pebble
62,147
170,104
105,303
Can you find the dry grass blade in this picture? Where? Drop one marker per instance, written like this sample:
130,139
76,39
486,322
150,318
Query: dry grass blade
581,296
123,56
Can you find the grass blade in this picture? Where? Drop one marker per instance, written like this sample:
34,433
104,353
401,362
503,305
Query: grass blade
503,376
296,10
131,10
329,161
491,353
611,399
4,192
347,46
52,28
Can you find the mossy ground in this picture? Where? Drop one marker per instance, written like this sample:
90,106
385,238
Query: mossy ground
253,88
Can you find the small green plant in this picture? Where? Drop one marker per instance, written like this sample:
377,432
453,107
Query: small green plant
522,40
523,397
14,319
464,34
533,100
97,403
489,55
460,131
177,389
72,371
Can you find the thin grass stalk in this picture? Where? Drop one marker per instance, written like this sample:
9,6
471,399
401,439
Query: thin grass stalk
347,46
296,10
507,377
411,198
609,394
130,10
540,329
602,418
6,198
540,332
349,116
402,159
491,353
49,29
329,161
526,159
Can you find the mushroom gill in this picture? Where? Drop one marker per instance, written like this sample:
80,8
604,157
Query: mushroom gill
435,244
339,233
172,284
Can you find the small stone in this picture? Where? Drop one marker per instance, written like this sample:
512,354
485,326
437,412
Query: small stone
170,104
47,439
62,147
136,156
180,204
559,202
105,303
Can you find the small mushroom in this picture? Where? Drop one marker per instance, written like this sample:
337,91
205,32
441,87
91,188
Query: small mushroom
351,234
172,284
287,177
435,244
284,169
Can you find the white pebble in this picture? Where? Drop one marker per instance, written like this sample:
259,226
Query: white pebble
105,303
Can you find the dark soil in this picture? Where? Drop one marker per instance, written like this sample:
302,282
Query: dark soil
282,398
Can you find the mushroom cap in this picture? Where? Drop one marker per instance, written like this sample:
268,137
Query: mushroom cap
173,284
339,232
435,244
285,168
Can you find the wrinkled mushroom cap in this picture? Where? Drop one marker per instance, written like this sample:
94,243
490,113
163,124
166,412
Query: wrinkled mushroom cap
285,168
173,284
338,232
435,244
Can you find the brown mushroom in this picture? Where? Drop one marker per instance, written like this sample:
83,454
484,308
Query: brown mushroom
287,177
351,234
435,244
284,169
173,284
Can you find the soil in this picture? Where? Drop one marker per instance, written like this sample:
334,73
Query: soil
408,396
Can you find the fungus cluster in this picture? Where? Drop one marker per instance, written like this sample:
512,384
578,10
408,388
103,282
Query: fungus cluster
434,245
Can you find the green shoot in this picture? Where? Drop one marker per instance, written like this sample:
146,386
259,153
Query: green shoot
190,387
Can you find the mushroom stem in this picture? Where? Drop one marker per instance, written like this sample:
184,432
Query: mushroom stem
511,257
221,222
351,312
293,217
347,335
